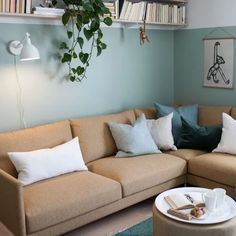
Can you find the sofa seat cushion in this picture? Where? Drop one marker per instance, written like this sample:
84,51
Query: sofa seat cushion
55,200
186,154
139,173
218,167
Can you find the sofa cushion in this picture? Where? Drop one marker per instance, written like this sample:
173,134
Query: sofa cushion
139,173
199,137
95,137
47,163
188,112
186,154
56,200
133,140
211,115
150,113
45,136
218,167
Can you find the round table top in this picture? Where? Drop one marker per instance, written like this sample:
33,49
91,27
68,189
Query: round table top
225,213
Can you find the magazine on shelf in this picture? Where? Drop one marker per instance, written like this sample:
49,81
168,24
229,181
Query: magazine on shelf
179,201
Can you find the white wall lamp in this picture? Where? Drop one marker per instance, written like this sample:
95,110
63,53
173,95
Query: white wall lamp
25,49
27,52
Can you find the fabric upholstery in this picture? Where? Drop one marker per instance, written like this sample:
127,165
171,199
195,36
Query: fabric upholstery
199,137
4,231
98,213
164,226
233,112
218,167
133,140
186,154
188,112
45,136
150,113
11,204
56,200
139,173
95,137
206,183
211,115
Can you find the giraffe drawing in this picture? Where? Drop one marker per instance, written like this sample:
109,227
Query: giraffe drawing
216,68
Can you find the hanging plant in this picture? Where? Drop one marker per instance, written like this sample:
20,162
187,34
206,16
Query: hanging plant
82,19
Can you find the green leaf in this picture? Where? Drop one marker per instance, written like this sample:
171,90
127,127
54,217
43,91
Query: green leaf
108,21
72,78
66,58
75,55
80,70
63,45
69,34
100,34
88,34
99,51
103,45
105,10
94,25
54,2
65,18
88,7
80,41
83,57
79,20
86,18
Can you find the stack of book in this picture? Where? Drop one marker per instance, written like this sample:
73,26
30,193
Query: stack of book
46,11
153,12
16,6
113,6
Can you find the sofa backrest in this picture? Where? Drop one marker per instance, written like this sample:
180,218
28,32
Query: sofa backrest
150,113
94,134
45,136
233,112
211,115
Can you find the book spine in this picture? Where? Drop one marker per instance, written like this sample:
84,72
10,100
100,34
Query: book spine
12,6
7,6
28,6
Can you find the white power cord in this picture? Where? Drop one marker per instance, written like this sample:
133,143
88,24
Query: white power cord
19,97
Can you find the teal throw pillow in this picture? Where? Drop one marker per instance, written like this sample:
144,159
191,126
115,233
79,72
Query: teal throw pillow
133,140
188,112
194,136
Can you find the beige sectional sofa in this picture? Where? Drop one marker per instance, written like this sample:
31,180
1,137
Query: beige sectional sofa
60,204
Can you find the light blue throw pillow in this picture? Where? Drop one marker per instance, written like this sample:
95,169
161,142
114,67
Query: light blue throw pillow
189,113
133,140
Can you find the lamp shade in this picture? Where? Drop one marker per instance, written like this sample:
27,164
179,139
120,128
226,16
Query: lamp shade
29,51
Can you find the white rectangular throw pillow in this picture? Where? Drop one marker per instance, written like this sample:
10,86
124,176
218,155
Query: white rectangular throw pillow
161,131
228,137
46,163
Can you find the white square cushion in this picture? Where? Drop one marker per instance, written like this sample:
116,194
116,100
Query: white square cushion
161,131
228,137
46,163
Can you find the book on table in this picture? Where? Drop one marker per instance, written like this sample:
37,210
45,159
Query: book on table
180,201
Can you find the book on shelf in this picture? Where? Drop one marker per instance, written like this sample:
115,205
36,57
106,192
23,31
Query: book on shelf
113,6
16,6
179,201
46,11
154,11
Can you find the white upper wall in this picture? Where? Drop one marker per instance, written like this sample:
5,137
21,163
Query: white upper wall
211,13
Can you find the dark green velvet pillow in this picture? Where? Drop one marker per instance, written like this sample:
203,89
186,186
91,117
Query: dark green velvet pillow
194,136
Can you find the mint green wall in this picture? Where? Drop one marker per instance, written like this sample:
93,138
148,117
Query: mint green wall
126,75
188,69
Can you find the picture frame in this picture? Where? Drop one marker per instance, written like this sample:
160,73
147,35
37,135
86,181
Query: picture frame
218,62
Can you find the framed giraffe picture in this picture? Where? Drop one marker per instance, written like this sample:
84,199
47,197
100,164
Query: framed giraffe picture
218,62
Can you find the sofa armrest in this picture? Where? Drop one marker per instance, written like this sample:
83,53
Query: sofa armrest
11,204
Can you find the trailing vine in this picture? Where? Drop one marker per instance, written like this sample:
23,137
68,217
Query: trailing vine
82,19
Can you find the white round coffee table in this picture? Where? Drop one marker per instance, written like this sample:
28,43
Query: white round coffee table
163,225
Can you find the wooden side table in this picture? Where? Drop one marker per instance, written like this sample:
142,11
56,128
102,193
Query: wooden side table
164,226
4,231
